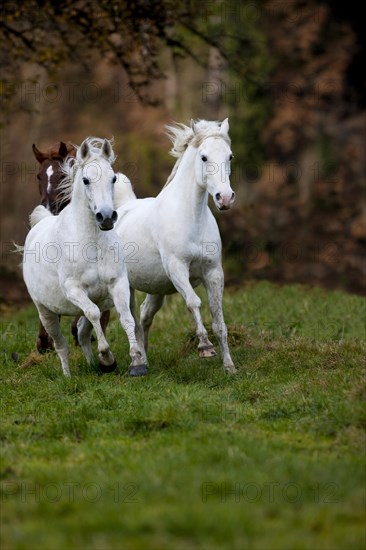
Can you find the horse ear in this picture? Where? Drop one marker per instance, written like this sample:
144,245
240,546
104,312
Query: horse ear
84,150
41,157
224,129
193,126
107,149
62,150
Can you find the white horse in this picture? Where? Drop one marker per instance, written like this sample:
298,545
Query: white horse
73,263
174,237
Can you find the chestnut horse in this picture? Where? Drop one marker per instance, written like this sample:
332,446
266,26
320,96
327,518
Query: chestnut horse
50,174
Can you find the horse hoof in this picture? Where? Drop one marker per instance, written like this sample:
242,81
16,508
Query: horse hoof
138,370
107,368
230,370
207,351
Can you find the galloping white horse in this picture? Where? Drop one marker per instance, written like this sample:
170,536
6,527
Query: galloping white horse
175,238
74,264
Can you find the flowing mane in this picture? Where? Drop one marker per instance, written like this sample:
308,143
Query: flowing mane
71,165
182,136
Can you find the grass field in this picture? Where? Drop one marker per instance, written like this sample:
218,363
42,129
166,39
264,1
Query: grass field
189,457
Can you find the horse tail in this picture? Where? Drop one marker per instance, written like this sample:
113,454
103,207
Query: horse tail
38,214
123,191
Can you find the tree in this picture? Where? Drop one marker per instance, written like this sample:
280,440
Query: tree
130,33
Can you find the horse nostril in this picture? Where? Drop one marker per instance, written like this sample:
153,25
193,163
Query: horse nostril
233,196
218,196
114,216
99,217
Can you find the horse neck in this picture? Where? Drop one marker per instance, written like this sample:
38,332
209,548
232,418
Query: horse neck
190,197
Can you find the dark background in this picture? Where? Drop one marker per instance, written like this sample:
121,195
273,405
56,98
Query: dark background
289,75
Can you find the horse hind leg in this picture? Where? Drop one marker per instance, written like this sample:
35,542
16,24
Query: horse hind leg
84,331
44,342
139,334
51,323
74,329
214,284
149,308
104,320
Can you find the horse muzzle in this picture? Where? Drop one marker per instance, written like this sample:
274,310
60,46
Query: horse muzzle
106,220
224,201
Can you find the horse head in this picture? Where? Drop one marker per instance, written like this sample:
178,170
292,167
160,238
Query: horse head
50,174
212,163
95,158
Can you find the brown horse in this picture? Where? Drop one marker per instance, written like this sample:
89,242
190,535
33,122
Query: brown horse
50,174
50,177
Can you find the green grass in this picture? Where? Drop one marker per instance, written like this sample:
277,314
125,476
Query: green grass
189,457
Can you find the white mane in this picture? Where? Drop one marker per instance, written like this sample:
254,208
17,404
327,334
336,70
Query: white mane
71,165
182,136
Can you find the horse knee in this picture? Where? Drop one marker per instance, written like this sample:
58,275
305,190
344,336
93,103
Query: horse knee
92,313
193,302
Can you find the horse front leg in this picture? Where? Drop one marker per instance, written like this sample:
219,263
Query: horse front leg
214,284
120,293
77,295
51,323
179,275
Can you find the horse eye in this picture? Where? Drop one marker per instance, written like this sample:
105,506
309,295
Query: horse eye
204,158
231,157
114,179
86,181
